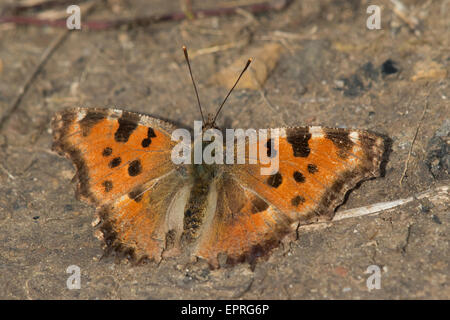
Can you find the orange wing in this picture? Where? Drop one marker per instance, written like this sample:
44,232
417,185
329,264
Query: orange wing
317,166
124,168
243,227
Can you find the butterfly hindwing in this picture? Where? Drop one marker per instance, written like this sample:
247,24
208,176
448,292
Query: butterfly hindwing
145,223
243,226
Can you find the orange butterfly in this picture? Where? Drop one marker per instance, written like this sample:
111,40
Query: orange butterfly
151,208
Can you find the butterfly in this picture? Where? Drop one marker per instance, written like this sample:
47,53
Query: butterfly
150,208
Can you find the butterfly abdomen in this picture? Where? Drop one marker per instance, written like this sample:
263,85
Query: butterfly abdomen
195,211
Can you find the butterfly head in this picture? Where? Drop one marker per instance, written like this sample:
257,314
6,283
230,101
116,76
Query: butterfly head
210,123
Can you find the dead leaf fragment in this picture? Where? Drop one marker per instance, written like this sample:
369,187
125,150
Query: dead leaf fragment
264,61
429,70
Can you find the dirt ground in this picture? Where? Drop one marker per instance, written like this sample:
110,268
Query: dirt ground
333,71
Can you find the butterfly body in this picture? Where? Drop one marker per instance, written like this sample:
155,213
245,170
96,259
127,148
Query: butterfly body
149,207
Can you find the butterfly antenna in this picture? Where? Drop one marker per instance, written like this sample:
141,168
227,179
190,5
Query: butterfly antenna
224,100
193,82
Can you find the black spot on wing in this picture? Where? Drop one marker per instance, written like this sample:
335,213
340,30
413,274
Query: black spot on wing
90,119
128,122
297,201
258,205
275,180
299,177
115,162
108,185
312,168
298,138
271,152
134,168
107,152
147,141
136,194
341,139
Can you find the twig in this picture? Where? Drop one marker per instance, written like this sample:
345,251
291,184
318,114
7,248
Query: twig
23,90
186,7
42,61
404,14
38,5
2,168
412,143
260,7
218,48
440,194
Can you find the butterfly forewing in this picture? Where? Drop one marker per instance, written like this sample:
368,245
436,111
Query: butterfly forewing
124,168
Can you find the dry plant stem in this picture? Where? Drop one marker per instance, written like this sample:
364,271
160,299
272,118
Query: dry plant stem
42,61
3,169
274,5
38,5
218,48
440,193
24,89
405,15
412,143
